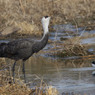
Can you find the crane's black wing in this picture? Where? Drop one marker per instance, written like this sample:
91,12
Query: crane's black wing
18,49
14,46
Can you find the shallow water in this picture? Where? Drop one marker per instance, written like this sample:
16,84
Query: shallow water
64,75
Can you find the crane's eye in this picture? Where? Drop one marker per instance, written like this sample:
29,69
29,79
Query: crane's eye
46,16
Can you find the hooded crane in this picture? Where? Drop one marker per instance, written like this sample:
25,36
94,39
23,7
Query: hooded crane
24,48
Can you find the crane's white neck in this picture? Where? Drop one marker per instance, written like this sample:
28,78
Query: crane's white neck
45,24
41,43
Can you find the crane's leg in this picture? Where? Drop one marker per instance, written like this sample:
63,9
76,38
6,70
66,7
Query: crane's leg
23,70
13,71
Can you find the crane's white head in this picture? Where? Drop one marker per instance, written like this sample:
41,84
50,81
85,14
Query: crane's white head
45,23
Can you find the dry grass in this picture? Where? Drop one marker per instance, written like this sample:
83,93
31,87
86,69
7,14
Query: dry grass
14,89
72,50
17,89
20,88
27,14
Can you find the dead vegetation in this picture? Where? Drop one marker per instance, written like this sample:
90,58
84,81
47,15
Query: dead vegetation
7,87
68,50
72,50
26,14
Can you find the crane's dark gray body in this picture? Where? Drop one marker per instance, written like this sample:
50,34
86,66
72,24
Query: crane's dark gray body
22,48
